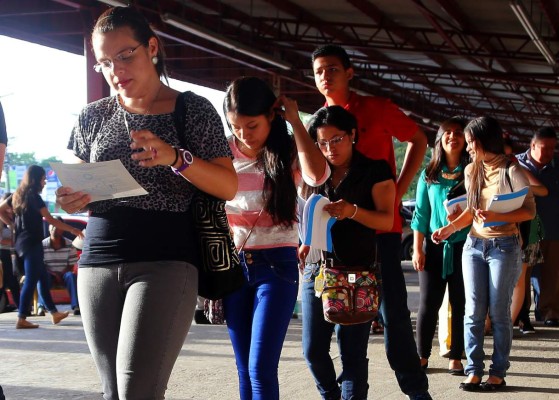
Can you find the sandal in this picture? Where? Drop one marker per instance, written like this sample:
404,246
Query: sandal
377,328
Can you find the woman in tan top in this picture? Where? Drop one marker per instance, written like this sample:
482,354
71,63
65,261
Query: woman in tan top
491,261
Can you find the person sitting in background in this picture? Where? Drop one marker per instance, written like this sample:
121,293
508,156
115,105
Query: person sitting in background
6,249
60,258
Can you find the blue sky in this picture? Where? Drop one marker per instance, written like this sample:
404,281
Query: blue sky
42,90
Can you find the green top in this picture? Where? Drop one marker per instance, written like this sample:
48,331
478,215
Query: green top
430,213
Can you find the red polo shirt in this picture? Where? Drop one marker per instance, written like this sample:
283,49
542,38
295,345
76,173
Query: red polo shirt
378,121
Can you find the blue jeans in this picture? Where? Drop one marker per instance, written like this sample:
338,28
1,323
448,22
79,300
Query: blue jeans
258,316
71,283
399,341
490,268
352,344
35,271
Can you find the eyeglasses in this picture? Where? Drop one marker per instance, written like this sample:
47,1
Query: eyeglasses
124,57
324,144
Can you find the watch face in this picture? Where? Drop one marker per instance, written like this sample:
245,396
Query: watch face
187,155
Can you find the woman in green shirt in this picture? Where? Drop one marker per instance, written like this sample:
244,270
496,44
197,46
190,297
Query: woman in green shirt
440,265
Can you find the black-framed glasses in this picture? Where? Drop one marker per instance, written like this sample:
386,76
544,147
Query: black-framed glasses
124,57
324,144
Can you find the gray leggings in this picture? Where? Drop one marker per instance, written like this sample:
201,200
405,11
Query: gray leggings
136,317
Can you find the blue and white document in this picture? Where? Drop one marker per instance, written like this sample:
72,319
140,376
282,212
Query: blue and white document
504,203
317,223
102,180
452,205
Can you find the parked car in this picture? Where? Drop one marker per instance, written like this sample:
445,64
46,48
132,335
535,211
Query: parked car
408,207
77,221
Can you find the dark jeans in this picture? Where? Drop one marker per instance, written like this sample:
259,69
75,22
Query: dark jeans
432,287
398,332
352,344
258,316
10,280
35,271
70,282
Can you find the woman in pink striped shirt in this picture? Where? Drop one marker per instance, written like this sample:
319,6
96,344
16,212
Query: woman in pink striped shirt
270,163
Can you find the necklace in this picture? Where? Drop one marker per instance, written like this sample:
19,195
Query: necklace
148,108
334,187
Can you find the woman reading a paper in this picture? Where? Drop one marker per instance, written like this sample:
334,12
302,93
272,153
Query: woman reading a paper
491,262
137,283
361,193
440,265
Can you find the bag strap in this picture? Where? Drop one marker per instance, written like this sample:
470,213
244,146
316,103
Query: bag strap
507,175
250,231
179,116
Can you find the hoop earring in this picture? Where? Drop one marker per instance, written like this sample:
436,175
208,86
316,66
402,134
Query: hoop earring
154,60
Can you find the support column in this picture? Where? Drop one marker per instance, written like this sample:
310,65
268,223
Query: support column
97,87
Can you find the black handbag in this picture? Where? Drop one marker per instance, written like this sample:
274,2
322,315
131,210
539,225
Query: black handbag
219,268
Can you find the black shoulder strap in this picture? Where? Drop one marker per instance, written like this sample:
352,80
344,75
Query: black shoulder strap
507,175
179,116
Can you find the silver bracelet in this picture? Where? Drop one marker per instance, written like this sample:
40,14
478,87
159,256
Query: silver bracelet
355,213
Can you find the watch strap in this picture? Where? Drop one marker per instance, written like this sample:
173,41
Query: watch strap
186,157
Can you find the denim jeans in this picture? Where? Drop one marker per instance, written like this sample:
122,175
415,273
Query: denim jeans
352,340
258,316
35,271
399,341
136,317
70,282
490,268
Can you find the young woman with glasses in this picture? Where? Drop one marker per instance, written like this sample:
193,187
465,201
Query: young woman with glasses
137,284
361,193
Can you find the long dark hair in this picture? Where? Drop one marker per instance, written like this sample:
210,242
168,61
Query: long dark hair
487,134
120,17
438,160
30,185
252,97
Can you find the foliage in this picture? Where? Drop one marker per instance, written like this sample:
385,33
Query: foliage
400,152
28,159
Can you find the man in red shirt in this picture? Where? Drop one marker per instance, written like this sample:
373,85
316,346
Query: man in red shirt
378,121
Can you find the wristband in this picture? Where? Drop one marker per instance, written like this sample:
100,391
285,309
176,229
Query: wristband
355,212
187,159
176,157
454,226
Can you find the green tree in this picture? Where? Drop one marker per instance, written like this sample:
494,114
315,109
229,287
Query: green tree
399,153
46,162
21,158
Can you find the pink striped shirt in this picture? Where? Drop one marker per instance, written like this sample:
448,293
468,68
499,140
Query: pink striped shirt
243,210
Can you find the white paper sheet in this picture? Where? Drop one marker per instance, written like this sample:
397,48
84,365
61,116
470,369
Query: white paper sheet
102,180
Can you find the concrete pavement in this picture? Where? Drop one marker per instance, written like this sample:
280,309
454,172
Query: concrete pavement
53,362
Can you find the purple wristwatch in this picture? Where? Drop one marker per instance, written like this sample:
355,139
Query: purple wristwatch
187,159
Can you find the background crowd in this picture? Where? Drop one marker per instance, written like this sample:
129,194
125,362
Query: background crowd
347,155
